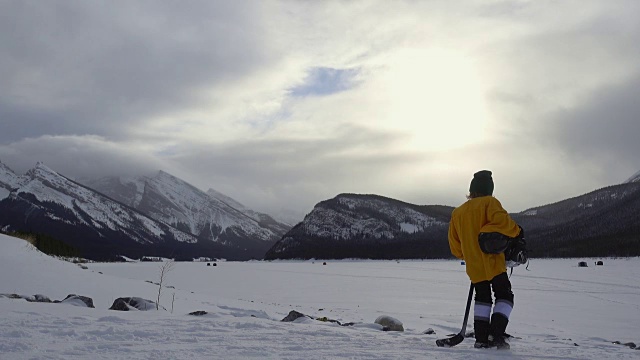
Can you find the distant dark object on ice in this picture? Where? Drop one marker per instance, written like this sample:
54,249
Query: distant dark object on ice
582,264
599,263
198,313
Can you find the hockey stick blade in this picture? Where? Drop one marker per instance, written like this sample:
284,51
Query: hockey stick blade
457,339
450,342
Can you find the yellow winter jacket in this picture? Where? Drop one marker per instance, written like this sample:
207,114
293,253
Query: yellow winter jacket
482,214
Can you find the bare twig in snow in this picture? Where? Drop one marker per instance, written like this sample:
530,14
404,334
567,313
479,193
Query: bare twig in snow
164,269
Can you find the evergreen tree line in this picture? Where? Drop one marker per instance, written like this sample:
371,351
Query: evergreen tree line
404,246
48,244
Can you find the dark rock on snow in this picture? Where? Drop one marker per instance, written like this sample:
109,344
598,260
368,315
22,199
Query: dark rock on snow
11,296
293,315
71,299
631,345
34,298
77,300
38,298
389,323
134,303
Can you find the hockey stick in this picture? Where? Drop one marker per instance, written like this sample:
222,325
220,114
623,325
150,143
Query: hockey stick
457,339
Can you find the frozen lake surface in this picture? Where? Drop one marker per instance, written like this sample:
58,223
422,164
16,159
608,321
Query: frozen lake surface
561,311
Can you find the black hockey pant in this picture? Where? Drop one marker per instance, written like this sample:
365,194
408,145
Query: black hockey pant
495,324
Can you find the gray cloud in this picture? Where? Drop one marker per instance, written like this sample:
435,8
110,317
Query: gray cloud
89,68
80,156
240,96
604,129
269,173
567,88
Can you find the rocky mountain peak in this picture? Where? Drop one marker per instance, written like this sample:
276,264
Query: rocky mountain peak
634,178
41,170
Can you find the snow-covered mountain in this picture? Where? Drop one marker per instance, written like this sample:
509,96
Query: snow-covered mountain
209,216
164,215
604,222
372,226
8,180
580,206
634,178
44,201
265,220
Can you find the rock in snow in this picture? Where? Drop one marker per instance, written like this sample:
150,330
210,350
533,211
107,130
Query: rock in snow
389,323
293,315
38,298
77,300
134,303
71,299
34,298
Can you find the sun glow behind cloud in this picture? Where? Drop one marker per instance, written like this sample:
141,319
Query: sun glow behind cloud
436,95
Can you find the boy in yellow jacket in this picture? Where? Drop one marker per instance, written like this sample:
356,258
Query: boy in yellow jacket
484,213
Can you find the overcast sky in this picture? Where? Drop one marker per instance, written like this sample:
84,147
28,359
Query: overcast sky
282,104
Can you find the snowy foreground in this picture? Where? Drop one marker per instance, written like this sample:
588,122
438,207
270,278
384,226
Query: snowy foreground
562,311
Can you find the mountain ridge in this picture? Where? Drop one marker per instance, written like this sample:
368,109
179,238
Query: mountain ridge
160,213
174,201
603,222
48,202
360,225
634,178
103,224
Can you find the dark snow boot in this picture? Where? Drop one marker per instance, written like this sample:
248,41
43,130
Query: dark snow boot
481,329
499,343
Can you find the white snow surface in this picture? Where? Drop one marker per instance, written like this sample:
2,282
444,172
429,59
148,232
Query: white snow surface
561,311
4,193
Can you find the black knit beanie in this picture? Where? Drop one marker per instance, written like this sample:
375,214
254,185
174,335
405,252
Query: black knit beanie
482,183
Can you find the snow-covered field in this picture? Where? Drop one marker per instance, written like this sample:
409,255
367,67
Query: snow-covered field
561,312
